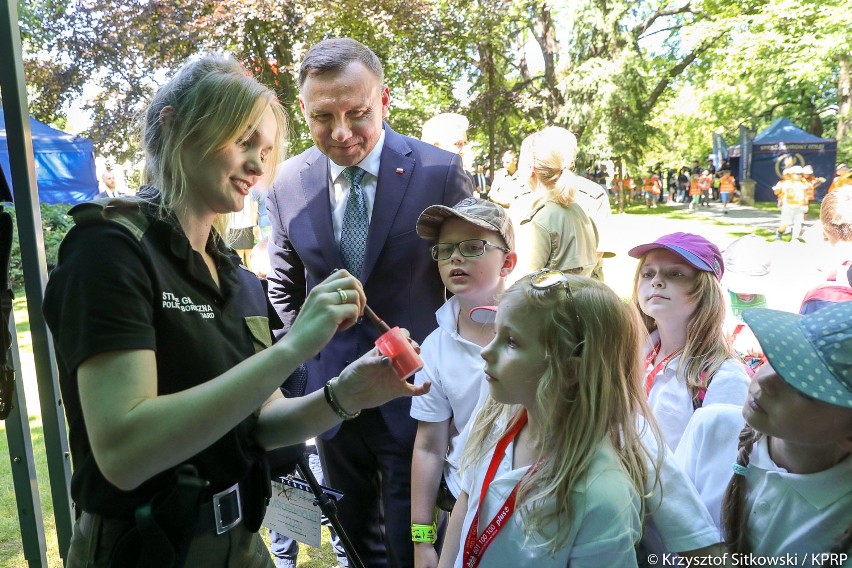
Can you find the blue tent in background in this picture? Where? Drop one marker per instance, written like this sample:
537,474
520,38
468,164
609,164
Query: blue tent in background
784,144
65,164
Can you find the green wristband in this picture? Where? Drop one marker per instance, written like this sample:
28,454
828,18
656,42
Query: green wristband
424,533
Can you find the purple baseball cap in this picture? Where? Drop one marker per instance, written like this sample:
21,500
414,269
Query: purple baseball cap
694,249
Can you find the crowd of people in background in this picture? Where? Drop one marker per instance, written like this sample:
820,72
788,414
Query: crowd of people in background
552,422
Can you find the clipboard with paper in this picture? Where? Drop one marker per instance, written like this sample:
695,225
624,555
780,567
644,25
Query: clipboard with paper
293,510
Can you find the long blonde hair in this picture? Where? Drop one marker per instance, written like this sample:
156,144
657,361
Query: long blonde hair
550,154
589,393
211,102
706,348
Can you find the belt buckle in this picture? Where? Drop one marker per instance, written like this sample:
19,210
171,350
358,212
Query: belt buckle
223,525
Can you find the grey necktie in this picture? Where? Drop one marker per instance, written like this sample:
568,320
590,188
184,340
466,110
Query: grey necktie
356,222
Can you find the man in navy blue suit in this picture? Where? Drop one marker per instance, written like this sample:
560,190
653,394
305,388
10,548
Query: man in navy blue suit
357,158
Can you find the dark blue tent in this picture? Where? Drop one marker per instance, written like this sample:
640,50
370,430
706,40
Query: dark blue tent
784,144
65,164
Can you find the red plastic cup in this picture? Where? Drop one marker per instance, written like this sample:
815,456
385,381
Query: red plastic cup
404,358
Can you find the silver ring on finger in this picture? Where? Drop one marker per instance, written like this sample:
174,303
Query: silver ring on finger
343,295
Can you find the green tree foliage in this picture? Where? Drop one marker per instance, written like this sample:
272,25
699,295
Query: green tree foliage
55,223
129,47
774,58
646,81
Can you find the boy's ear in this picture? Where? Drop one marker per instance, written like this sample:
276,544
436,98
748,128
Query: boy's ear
509,264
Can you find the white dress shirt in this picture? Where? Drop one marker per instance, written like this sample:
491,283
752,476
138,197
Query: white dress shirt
339,187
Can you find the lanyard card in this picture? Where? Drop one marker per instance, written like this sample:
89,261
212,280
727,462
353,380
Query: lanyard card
293,511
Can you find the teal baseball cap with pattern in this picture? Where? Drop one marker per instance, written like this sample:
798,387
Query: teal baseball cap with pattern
812,353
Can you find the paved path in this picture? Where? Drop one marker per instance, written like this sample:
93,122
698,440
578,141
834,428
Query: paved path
794,264
739,215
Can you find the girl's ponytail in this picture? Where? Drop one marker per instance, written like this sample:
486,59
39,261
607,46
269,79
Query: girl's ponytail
734,515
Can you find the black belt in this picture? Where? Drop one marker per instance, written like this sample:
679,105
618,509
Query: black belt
222,512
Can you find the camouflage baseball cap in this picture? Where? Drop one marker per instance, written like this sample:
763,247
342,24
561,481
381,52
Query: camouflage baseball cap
480,212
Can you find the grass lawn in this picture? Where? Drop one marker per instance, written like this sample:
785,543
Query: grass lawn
11,549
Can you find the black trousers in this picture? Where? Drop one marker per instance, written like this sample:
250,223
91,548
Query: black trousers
371,465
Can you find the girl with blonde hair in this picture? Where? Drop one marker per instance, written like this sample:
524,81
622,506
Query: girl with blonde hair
554,468
688,362
168,373
554,231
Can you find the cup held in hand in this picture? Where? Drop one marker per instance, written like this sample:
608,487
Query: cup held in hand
404,358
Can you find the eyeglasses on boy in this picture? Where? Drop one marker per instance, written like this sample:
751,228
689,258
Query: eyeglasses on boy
468,248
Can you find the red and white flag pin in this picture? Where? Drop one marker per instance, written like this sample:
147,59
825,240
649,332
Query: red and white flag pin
400,171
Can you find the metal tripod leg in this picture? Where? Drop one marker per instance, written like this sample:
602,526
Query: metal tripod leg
328,506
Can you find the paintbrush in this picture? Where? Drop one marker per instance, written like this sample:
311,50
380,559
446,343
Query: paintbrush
377,321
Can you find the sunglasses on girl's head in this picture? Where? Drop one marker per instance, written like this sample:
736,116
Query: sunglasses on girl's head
468,248
548,278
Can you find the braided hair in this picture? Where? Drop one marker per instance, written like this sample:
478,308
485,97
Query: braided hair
734,515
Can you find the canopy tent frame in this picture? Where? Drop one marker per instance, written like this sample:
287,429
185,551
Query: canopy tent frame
30,236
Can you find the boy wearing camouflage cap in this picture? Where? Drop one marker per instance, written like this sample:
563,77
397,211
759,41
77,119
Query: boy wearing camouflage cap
473,250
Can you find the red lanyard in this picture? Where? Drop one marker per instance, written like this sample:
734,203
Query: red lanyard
649,380
474,547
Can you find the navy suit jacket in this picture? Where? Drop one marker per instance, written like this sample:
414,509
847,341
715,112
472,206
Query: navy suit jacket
400,278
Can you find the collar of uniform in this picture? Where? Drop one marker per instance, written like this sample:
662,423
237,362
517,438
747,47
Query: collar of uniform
169,230
369,164
447,317
820,489
536,204
448,320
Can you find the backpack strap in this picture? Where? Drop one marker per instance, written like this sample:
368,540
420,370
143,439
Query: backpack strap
827,293
701,391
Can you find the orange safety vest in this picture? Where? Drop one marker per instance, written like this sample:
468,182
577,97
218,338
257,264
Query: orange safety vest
694,187
727,184
652,185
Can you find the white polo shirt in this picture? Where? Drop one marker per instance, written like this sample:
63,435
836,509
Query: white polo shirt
457,372
679,521
786,512
602,531
671,401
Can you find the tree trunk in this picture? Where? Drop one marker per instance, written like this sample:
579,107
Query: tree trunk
545,35
844,99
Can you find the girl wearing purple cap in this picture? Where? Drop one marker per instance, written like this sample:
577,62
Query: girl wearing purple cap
688,362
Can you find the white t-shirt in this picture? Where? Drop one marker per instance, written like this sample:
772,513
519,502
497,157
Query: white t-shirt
603,530
457,372
671,401
787,512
